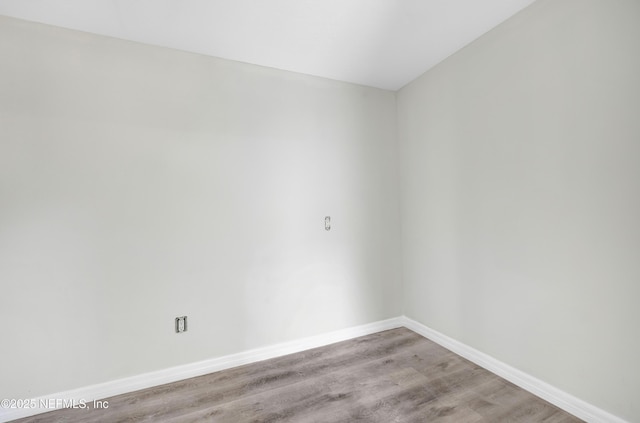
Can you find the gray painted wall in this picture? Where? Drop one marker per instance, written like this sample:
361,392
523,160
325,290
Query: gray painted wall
138,184
521,197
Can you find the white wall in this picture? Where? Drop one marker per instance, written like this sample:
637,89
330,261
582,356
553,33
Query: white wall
521,197
138,184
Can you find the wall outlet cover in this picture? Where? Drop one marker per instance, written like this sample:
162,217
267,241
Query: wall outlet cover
181,324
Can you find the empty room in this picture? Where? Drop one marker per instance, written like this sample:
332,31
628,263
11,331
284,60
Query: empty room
320,211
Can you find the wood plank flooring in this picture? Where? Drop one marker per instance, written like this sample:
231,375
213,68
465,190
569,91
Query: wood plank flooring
391,376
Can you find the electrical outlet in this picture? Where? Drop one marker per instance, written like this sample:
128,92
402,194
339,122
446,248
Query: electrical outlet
181,324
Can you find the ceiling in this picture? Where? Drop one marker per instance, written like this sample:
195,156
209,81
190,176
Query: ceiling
378,43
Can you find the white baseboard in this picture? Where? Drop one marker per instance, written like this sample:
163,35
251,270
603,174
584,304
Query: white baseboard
173,374
560,399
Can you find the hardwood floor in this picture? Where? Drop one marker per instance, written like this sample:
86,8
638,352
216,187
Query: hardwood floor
390,376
